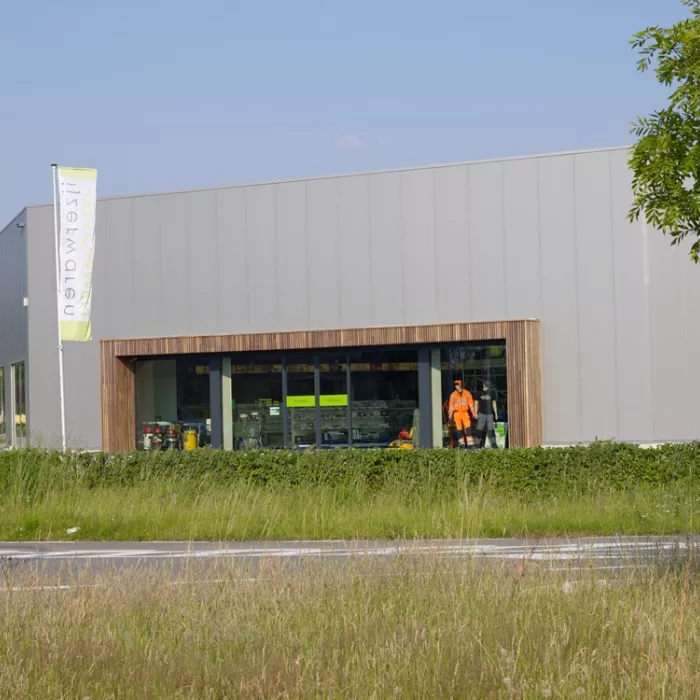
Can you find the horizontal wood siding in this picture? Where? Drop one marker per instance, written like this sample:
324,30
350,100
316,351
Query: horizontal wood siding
523,353
303,340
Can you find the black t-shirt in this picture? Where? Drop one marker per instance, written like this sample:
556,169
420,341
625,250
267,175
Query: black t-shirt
486,397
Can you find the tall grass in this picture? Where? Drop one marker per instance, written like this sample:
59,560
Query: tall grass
174,510
600,490
401,630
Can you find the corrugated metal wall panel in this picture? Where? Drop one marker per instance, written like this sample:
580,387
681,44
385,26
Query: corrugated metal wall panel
631,310
323,268
486,227
388,303
522,239
201,252
118,247
670,353
175,302
691,382
13,315
42,372
596,296
82,372
232,260
561,389
453,257
292,256
12,278
418,247
146,262
355,249
261,237
104,303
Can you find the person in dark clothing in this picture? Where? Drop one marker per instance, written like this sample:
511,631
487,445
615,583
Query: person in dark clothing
487,413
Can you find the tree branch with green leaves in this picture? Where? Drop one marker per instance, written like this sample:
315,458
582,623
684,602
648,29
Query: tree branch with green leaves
665,161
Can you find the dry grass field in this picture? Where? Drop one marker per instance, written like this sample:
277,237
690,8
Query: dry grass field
405,628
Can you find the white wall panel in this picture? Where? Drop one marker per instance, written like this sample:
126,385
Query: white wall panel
386,236
355,251
453,259
323,251
631,273
521,211
292,256
596,296
201,253
261,257
418,246
232,261
561,389
487,247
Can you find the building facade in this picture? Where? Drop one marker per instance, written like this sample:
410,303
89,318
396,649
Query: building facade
339,311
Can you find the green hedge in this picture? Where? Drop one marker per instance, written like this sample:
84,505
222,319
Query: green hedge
526,471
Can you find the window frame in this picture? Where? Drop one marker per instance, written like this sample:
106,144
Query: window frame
4,438
23,408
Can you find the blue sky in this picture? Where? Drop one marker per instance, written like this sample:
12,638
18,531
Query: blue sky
167,94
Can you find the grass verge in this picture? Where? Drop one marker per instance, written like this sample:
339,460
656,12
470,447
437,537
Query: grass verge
403,630
602,489
174,510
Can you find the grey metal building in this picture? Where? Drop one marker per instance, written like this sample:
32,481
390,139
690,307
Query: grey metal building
543,238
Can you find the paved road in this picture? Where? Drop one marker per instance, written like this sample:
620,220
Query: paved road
61,562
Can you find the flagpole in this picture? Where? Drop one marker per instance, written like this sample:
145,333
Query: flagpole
61,386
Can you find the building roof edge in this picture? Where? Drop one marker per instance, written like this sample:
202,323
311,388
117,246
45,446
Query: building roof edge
363,173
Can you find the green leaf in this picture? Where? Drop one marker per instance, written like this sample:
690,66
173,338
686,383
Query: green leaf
667,151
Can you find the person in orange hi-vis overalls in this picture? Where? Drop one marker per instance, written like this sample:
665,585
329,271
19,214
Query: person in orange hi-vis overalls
460,412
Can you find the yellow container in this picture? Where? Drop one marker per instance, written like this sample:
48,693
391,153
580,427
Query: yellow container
190,441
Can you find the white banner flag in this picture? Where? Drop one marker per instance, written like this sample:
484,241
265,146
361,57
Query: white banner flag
77,196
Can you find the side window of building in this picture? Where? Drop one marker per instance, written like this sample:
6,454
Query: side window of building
19,437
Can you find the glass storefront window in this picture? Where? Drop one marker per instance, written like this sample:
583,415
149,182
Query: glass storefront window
20,411
333,400
482,420
365,398
192,377
256,398
3,423
193,402
173,409
384,390
301,401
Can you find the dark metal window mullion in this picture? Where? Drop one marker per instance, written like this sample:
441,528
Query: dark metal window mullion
285,414
425,431
317,402
215,400
348,390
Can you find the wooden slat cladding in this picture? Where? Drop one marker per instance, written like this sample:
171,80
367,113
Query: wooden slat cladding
118,402
311,340
524,384
523,353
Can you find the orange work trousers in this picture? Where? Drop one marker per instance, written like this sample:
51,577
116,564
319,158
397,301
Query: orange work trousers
462,421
